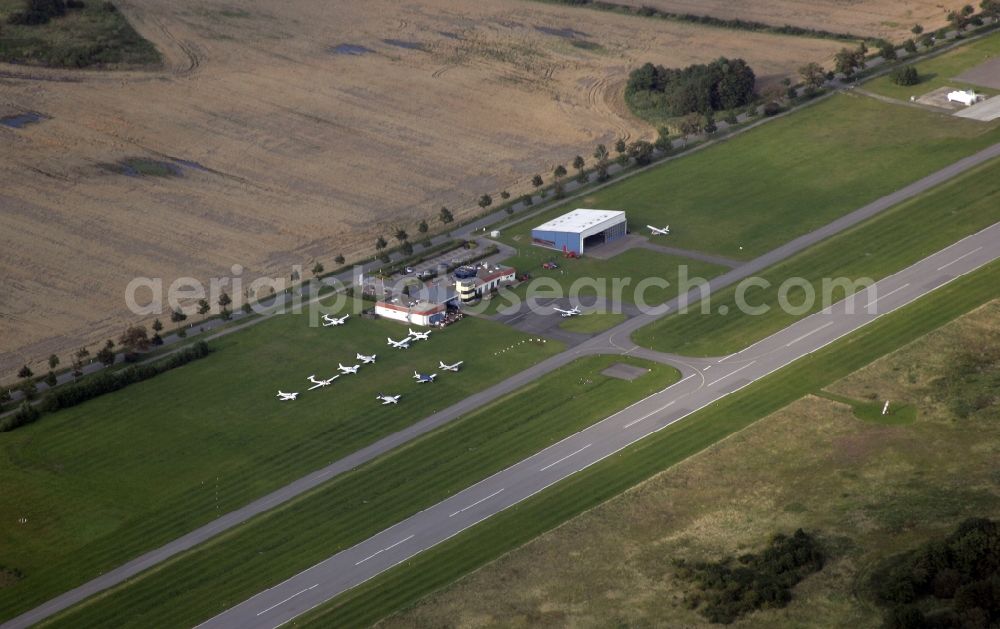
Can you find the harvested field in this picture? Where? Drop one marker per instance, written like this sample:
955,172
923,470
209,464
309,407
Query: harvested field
300,131
872,18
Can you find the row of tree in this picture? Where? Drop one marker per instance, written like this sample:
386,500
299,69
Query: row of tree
78,392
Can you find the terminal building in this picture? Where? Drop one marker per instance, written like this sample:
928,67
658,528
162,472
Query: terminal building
485,280
573,232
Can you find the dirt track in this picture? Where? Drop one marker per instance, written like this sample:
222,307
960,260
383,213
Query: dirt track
295,152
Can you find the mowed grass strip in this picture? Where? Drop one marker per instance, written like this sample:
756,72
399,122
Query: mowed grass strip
354,506
785,178
941,71
592,322
440,566
874,249
589,278
104,481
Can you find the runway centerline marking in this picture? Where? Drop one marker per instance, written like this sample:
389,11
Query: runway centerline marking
941,268
287,599
636,421
476,502
892,292
564,458
731,373
383,550
808,334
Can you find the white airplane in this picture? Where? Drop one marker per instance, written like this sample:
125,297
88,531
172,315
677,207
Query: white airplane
421,377
454,367
419,336
286,397
345,370
388,399
572,312
368,360
323,383
334,320
404,344
659,232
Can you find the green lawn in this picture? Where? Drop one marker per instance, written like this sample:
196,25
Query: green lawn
592,277
592,322
128,471
91,36
785,178
940,71
434,569
354,506
874,249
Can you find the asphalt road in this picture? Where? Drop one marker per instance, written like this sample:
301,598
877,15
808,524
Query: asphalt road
704,383
615,340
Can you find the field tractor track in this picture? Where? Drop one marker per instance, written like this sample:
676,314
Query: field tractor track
597,99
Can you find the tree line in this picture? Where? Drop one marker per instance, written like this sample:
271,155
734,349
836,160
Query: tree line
702,88
100,383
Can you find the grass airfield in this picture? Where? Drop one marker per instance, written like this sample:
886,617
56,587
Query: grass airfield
101,482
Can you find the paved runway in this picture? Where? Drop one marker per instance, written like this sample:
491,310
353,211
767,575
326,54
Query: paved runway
702,384
616,340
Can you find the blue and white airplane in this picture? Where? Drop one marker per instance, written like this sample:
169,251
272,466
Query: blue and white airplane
422,377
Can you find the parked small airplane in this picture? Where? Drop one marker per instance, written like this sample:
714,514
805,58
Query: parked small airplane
422,377
334,320
572,312
345,370
323,383
659,232
454,367
286,397
419,336
388,399
368,360
404,344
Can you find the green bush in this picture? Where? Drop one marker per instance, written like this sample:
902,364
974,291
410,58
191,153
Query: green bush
904,75
954,582
725,590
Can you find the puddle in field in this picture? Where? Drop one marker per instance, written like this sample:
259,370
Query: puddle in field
402,43
142,167
566,32
350,49
19,121
187,163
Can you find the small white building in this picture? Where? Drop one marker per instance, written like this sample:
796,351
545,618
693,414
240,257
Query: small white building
966,97
419,313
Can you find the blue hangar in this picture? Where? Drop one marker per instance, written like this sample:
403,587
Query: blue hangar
572,232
